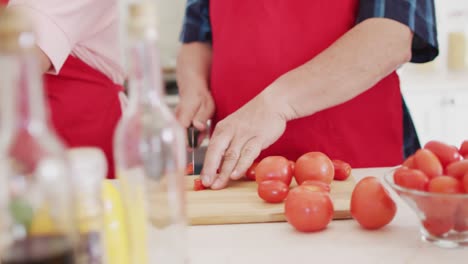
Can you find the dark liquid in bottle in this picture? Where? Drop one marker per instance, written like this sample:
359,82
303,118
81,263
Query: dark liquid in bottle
39,250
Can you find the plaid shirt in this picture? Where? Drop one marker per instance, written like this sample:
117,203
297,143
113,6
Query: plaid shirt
419,15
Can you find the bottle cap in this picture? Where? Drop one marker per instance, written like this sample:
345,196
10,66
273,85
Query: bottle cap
16,31
142,18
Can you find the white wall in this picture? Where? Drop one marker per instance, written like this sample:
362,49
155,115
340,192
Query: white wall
171,13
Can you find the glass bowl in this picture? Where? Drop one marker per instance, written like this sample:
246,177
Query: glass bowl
443,218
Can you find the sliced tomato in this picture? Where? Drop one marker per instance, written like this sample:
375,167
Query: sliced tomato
445,153
412,179
198,185
427,162
320,184
189,169
272,191
342,170
457,169
250,173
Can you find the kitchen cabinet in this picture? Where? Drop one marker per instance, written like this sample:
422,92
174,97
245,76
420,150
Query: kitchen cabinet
438,104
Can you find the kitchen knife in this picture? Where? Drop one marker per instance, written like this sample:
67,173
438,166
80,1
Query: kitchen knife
193,135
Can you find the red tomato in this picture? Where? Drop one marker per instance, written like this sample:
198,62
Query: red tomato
457,169
272,191
198,185
342,170
465,182
409,162
444,152
371,204
428,163
189,169
439,212
293,165
438,226
464,149
314,166
445,184
412,179
274,168
250,173
461,217
307,210
466,157
320,184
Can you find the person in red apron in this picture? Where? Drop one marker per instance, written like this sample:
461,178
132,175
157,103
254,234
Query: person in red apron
289,77
83,78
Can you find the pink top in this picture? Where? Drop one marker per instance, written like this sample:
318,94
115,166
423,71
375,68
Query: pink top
87,29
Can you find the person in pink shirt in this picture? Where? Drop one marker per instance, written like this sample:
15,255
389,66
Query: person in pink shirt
77,43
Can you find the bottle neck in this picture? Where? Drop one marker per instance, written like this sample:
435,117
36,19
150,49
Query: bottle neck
145,76
25,108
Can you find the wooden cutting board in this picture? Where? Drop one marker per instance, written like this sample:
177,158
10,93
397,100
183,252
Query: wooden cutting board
239,203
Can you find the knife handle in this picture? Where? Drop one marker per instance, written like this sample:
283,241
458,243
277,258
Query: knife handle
193,135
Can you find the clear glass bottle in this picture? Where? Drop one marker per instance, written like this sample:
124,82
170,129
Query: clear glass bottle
150,149
39,223
89,169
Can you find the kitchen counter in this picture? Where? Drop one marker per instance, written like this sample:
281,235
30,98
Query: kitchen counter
342,242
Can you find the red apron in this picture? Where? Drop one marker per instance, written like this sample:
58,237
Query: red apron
85,107
255,42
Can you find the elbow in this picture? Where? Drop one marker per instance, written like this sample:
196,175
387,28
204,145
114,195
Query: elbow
406,51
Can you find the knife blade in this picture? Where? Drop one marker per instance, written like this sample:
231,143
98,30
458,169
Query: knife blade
193,136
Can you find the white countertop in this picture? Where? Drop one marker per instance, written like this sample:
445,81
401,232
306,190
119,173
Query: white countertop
342,242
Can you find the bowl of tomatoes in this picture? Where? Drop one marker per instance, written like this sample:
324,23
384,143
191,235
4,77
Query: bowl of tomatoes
434,183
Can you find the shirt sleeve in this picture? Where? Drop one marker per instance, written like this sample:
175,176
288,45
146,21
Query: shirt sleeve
196,25
60,25
418,15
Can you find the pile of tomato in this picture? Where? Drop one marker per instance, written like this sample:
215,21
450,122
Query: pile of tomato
309,207
443,169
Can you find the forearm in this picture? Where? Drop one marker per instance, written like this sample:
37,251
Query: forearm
353,64
194,65
44,61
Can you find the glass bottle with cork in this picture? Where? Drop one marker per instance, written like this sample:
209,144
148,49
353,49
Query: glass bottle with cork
38,222
150,148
